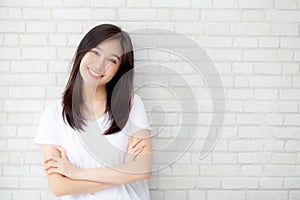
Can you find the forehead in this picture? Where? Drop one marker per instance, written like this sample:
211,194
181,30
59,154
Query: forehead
112,46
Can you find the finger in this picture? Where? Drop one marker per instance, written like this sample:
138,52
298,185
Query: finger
136,142
138,148
50,164
51,158
138,153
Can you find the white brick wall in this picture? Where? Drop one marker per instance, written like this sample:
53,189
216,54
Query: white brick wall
255,47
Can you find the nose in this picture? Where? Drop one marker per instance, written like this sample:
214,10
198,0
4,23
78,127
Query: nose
100,64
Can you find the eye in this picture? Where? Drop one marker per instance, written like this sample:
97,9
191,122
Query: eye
112,60
95,52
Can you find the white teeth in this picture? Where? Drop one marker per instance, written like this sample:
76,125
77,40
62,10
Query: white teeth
95,74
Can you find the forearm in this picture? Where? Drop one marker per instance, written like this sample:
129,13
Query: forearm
61,185
122,174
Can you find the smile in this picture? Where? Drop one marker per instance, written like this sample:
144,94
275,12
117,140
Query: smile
94,74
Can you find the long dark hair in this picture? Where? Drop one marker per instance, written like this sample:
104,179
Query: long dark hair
118,98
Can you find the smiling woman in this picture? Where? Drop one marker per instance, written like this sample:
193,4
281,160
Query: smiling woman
99,90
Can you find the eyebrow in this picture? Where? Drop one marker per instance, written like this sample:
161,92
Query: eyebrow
110,54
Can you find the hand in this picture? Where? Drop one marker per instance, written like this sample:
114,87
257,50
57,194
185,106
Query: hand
135,147
55,165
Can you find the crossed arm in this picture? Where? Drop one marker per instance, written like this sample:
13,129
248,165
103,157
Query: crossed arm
64,178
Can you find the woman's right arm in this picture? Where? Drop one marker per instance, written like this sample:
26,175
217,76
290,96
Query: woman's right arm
61,185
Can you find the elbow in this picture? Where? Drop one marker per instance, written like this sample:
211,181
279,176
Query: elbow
57,192
146,175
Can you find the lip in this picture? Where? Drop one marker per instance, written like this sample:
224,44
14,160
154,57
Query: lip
92,75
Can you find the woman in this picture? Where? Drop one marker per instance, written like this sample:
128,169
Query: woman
100,90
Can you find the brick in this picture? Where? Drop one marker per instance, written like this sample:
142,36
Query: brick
38,52
17,144
250,29
294,195
284,29
185,170
268,195
29,3
242,68
274,119
176,195
184,14
266,94
36,13
23,105
31,40
254,132
282,16
15,170
245,42
220,15
260,55
282,170
33,157
209,182
292,119
170,4
286,132
257,106
72,13
12,26
268,42
225,158
274,145
252,15
249,119
176,183
255,3
292,146
69,27
26,131
290,94
246,145
232,195
58,40
196,195
27,92
7,53
28,66
289,42
34,182
239,183
240,94
8,131
9,182
284,158
20,194
11,40
286,4
269,81
219,170
225,4
201,3
76,3
107,3
159,195
40,27
130,14
271,183
252,170
38,79
5,194
217,28
22,118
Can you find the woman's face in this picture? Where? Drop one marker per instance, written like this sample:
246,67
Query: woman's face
99,65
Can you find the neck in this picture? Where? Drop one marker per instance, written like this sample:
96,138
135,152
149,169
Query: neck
93,98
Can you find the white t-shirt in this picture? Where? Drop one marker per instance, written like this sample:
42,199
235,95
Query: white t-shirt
53,130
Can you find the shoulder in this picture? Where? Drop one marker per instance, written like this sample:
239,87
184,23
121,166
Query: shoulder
136,99
54,107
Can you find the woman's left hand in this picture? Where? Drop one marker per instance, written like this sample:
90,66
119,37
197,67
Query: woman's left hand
63,166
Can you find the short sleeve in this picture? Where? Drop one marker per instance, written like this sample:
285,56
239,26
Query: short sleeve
47,131
137,118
